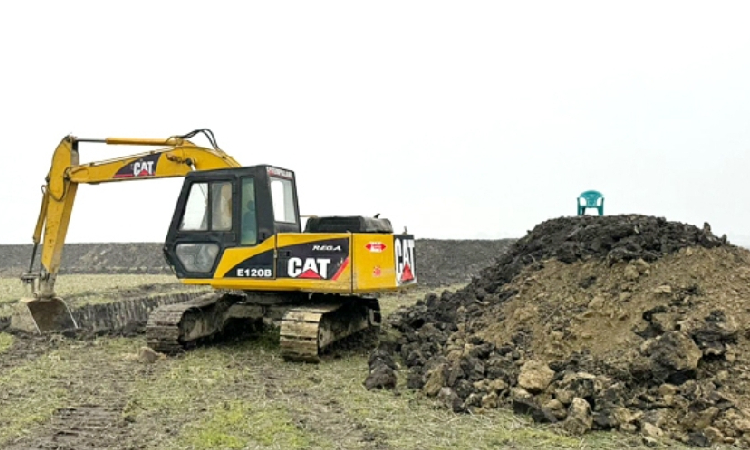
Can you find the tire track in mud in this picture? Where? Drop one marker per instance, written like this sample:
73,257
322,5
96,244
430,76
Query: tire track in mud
97,395
84,426
25,349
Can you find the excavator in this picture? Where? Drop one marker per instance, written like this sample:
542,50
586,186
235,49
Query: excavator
238,230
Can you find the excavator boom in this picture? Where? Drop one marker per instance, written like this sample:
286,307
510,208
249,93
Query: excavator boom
43,310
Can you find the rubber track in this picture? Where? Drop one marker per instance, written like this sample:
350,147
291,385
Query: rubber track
301,325
163,326
299,333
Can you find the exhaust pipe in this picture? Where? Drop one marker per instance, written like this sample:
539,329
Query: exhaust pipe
37,316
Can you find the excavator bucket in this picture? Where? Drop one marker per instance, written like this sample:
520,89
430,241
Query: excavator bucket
42,316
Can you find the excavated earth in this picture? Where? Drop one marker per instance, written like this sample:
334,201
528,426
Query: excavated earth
633,323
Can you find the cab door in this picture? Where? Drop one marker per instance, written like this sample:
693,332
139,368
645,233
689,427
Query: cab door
203,226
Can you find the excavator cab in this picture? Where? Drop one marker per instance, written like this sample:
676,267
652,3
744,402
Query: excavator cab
228,208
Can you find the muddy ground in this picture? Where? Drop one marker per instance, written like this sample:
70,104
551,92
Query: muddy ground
103,392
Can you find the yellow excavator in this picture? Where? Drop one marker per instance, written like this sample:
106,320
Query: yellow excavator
238,230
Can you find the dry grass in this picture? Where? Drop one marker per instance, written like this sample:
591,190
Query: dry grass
82,289
238,423
75,284
6,340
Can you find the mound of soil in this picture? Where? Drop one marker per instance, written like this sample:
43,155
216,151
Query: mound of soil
90,258
444,262
613,322
440,263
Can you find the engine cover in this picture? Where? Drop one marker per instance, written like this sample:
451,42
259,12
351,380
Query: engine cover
351,224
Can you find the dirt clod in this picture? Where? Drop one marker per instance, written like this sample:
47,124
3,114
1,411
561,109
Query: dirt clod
147,355
535,376
382,374
611,322
579,418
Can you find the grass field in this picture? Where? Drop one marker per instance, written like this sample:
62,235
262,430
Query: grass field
82,289
92,285
73,393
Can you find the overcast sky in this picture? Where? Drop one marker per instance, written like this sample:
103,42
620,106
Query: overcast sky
461,119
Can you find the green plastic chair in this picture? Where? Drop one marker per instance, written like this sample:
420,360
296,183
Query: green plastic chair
593,199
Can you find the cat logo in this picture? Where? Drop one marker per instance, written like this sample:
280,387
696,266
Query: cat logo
310,268
141,167
405,261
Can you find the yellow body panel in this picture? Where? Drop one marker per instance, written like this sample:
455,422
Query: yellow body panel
235,255
348,263
375,267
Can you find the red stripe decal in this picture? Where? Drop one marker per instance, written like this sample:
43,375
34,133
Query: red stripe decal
341,269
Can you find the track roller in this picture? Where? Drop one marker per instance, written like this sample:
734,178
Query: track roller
306,331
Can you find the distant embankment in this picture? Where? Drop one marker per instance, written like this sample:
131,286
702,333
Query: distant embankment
440,262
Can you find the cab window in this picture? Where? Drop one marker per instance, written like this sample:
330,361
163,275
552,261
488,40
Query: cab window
196,216
282,192
221,203
249,235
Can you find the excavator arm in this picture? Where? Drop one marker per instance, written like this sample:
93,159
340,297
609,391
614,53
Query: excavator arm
177,157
